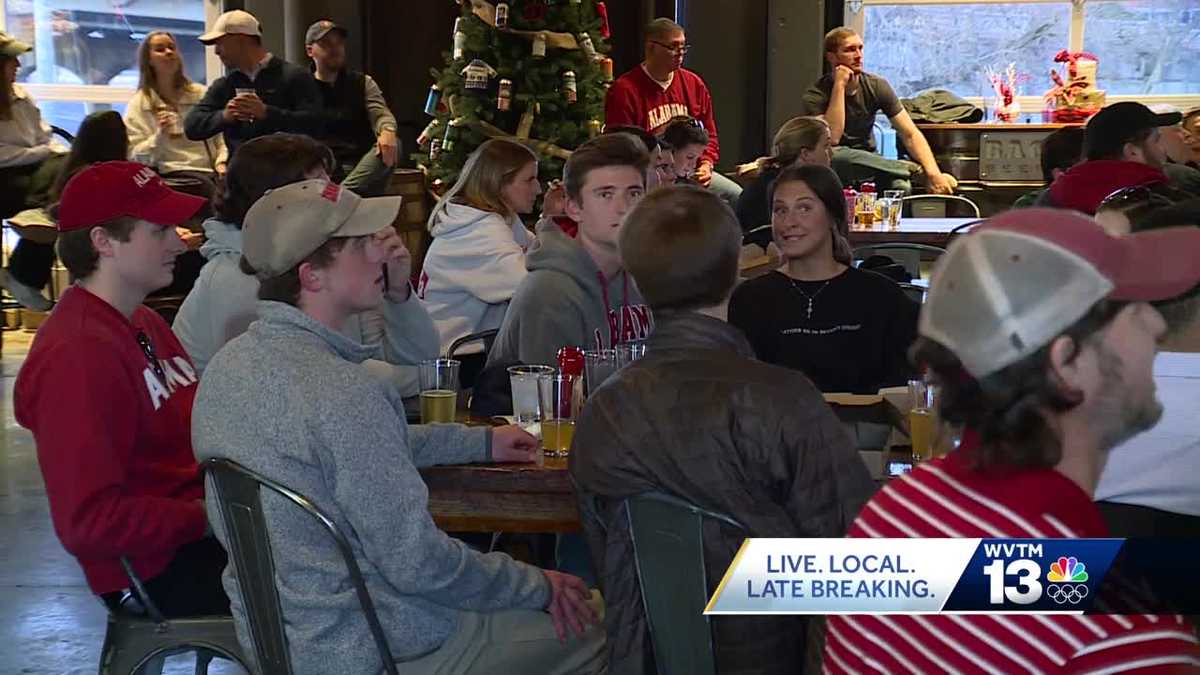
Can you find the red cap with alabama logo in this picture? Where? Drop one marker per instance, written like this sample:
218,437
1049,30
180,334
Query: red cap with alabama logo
110,190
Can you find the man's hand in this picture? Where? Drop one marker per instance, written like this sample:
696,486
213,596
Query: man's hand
554,202
568,604
232,113
399,264
250,107
704,172
192,240
942,184
843,76
385,146
512,444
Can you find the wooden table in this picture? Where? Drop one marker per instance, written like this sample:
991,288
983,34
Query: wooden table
929,231
501,498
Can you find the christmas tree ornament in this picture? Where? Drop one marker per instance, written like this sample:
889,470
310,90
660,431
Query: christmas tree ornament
606,67
476,74
504,95
435,149
453,133
585,41
460,39
451,105
502,15
525,127
535,11
570,86
602,12
429,131
539,46
434,100
594,127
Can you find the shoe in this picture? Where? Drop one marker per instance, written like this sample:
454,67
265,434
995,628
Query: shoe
30,298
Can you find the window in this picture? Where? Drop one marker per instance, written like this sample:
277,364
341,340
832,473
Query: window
85,51
1149,50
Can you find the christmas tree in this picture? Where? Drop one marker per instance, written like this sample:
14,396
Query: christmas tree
534,71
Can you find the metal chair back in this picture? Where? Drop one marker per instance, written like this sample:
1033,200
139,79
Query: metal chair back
913,206
908,255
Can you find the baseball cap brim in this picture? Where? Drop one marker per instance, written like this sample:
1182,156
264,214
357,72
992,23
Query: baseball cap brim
173,208
1158,265
372,215
1167,119
15,48
211,37
316,37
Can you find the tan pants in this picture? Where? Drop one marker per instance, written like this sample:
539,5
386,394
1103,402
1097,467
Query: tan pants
517,641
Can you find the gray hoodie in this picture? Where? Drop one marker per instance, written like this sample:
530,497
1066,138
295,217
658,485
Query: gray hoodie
222,304
289,400
564,301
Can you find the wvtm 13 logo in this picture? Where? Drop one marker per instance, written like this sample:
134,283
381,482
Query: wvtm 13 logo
1019,581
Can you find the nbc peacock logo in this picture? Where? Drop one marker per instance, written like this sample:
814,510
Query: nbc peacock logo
1067,570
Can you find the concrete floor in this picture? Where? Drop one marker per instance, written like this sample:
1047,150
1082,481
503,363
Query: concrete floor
49,621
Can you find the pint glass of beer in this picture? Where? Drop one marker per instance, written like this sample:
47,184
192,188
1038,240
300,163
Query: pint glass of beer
439,390
558,398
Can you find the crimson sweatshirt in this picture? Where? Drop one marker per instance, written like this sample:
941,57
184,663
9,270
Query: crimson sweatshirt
113,439
1084,186
636,100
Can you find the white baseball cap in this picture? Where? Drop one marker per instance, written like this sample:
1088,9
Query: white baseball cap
1020,279
287,224
233,22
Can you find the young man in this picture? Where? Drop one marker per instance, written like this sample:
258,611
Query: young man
577,293
1148,486
1061,150
359,127
288,399
723,426
107,392
1038,328
848,98
660,89
261,94
1122,148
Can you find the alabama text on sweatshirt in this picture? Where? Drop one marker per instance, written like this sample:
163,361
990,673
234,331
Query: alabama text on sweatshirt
566,302
114,439
472,269
636,100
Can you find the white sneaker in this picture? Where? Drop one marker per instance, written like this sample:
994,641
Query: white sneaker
29,297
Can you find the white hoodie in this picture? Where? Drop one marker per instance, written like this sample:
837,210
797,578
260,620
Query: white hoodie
471,271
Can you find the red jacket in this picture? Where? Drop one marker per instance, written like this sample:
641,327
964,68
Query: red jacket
1085,185
636,100
113,440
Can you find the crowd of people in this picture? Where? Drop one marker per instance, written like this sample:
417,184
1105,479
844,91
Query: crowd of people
303,326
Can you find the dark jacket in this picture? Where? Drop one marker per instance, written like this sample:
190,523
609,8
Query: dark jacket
939,106
700,419
348,130
289,92
752,208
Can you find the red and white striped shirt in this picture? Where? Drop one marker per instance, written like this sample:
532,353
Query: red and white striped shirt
945,498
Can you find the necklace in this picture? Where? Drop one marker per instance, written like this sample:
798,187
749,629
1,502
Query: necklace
806,296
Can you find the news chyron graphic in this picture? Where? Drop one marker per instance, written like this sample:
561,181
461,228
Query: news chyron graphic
914,576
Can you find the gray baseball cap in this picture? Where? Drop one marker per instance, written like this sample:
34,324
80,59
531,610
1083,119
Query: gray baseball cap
320,29
12,47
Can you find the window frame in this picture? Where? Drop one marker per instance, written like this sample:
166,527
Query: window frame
856,18
93,94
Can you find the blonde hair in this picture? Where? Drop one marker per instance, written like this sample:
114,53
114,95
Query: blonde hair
486,172
835,37
147,81
796,135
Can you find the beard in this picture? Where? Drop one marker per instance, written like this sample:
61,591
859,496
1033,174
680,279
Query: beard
1122,412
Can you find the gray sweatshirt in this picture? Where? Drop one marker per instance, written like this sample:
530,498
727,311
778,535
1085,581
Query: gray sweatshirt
564,301
222,304
289,400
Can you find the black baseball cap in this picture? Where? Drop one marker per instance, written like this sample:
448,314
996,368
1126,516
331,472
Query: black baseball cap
1115,125
320,29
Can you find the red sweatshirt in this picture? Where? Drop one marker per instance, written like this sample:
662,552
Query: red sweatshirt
113,440
636,100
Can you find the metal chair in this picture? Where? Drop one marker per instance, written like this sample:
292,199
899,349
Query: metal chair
140,636
237,490
908,255
942,210
474,363
966,227
487,337
668,549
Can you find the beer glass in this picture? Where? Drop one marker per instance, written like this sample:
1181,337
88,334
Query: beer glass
559,404
439,390
527,413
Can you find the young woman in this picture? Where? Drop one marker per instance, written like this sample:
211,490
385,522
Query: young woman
477,258
29,163
800,141
847,329
688,139
155,120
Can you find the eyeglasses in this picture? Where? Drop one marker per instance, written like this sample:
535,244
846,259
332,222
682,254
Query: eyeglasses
1130,197
680,49
148,349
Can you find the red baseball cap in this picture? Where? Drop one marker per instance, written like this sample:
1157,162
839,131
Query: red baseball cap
1018,280
109,190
